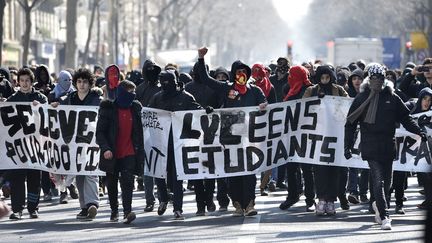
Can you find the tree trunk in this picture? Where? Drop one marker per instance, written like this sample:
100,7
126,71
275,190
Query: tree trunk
71,18
111,49
97,35
89,33
26,37
2,8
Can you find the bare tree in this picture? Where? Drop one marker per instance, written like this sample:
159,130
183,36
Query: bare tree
2,8
28,6
90,30
71,46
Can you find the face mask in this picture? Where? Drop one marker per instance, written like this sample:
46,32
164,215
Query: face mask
169,87
152,75
113,78
241,78
124,98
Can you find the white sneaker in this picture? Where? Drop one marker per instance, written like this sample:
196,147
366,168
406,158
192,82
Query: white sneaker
378,219
320,208
386,224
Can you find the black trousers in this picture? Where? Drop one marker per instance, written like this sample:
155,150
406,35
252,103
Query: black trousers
327,182
242,189
222,192
399,182
204,190
124,169
17,180
293,177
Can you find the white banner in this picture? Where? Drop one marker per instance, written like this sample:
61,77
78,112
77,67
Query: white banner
156,126
58,140
241,141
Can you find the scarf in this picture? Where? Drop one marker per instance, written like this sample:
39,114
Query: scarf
371,103
259,73
297,78
240,83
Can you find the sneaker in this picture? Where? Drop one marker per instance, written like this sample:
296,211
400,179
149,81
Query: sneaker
263,193
422,191
320,208
63,198
281,185
82,214
364,198
178,215
114,216
310,207
386,224
162,208
129,218
73,192
238,212
200,212
211,207
272,186
423,205
223,208
344,203
91,212
149,207
16,216
250,210
399,209
34,214
378,219
101,192
288,203
330,208
354,199
47,197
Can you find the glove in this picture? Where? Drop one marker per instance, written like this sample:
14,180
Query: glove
347,153
423,120
424,137
321,95
209,109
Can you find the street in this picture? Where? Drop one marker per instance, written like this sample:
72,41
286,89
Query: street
57,223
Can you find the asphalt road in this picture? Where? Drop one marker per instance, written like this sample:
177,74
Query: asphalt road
57,223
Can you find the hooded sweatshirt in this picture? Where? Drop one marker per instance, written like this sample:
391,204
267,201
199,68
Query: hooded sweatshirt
43,80
298,81
112,78
151,85
6,89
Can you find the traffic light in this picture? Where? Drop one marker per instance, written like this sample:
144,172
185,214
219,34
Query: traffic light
289,45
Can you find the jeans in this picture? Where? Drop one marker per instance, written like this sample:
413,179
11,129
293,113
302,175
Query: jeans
149,187
358,185
124,167
381,177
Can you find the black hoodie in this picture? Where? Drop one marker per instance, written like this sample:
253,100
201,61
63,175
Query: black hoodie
351,90
231,98
151,85
6,89
44,85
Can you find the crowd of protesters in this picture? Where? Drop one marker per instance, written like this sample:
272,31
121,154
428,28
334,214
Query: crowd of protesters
382,99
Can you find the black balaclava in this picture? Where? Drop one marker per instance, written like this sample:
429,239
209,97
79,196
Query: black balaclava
150,72
124,98
168,81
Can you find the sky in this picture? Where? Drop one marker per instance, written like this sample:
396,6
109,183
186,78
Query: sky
292,11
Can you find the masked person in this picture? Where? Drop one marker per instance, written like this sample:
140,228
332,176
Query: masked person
377,109
172,98
145,91
119,134
62,88
206,97
237,93
26,93
326,177
261,79
112,79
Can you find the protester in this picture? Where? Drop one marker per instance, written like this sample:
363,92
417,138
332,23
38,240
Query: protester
119,134
144,92
377,108
298,81
172,97
87,185
238,93
326,177
410,83
209,99
26,93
